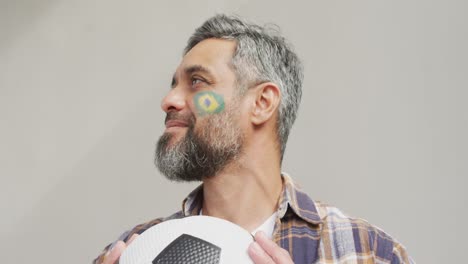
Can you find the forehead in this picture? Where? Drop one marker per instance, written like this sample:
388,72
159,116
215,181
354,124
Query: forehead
212,54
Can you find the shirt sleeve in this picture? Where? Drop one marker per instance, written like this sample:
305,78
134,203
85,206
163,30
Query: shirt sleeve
400,255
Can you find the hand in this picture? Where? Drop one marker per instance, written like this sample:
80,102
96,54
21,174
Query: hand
265,251
113,255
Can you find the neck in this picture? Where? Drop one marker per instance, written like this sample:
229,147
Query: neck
245,193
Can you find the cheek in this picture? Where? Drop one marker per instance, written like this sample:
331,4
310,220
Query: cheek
245,114
208,103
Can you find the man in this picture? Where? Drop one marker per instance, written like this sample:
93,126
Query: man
234,98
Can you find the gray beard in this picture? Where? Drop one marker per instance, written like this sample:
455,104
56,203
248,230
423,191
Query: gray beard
200,155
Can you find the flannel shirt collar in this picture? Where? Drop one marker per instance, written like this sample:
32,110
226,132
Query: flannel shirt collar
194,202
291,197
299,202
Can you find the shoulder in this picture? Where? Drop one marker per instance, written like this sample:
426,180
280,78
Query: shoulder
344,236
138,229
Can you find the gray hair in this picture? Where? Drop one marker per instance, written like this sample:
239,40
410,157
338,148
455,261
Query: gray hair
261,55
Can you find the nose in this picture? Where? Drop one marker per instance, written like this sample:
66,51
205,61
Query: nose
174,100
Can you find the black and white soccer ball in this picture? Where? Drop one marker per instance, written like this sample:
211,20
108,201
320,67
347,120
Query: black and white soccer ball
190,240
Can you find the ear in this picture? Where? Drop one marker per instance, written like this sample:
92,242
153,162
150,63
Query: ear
267,99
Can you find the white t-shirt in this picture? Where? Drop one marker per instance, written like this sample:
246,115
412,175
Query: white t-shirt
267,226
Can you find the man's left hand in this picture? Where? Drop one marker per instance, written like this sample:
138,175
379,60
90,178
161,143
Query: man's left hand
265,251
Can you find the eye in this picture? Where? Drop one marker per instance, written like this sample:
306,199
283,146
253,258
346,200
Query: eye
196,81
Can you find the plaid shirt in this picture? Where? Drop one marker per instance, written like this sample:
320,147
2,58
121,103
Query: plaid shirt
312,232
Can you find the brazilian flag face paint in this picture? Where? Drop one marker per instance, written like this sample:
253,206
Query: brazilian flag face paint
208,103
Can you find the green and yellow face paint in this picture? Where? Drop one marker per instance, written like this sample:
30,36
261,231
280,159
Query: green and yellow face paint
208,103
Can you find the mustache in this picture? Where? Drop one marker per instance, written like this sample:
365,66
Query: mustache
188,118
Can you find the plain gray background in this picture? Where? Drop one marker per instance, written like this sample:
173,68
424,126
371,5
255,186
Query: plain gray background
381,131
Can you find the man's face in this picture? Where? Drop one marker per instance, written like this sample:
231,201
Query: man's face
202,133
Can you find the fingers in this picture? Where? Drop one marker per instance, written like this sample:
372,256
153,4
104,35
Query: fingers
258,255
265,251
132,238
115,253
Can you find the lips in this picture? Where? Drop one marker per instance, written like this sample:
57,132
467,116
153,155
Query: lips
176,123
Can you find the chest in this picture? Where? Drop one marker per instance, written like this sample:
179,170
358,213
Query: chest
308,244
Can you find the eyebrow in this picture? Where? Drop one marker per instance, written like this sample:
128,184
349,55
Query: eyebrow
197,68
193,69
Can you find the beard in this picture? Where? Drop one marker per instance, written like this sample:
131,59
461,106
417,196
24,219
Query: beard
200,153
